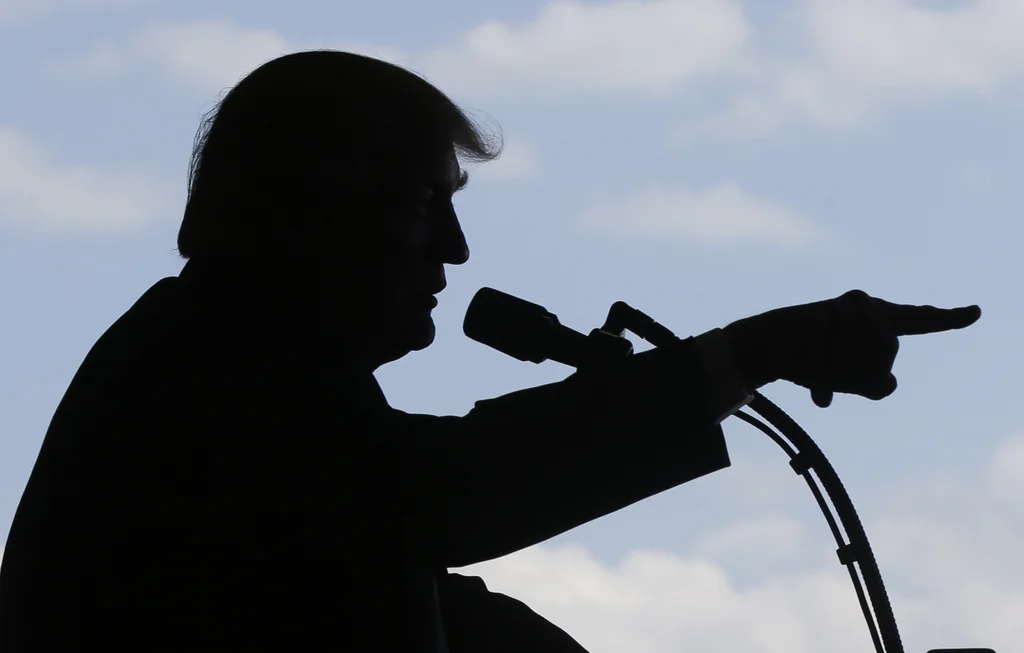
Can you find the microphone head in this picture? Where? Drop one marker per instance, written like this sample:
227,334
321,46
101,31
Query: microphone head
513,326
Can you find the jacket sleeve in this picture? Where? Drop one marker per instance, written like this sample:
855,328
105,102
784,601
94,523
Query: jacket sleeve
527,466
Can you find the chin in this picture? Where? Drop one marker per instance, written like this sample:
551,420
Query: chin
412,335
421,334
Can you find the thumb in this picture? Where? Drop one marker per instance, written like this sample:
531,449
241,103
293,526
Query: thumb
821,398
889,386
882,389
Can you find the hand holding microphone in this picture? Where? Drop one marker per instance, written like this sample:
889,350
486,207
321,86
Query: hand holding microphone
847,344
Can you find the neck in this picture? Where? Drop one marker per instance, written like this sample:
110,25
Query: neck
281,301
288,296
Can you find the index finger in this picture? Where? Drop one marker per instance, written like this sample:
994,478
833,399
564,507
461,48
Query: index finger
911,320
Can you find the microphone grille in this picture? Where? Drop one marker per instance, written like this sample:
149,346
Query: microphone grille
513,326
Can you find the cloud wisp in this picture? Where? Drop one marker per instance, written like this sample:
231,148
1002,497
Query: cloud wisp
39,194
948,550
719,214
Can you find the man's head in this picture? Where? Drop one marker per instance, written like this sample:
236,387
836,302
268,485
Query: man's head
347,160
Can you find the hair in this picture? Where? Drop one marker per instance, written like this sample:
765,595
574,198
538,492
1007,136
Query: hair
306,129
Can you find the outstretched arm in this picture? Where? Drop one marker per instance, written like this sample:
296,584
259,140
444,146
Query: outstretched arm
527,466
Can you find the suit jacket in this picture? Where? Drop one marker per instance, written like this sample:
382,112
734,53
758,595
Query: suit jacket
216,478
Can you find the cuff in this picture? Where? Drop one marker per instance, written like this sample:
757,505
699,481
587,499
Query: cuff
724,390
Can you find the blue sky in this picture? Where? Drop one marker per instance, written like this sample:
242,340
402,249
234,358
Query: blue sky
703,160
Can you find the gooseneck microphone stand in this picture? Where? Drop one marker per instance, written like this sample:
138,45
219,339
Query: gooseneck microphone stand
531,333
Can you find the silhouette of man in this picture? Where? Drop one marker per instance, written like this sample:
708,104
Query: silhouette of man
224,472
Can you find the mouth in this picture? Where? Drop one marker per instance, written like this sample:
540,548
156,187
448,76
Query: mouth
426,296
426,302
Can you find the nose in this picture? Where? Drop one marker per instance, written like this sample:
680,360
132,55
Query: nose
463,254
454,248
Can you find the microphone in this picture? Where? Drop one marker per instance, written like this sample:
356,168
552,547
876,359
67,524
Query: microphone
523,330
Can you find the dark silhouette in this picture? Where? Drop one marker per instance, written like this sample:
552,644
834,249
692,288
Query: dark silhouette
224,473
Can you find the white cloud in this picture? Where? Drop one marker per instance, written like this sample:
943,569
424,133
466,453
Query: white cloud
718,214
853,61
655,602
952,570
39,194
208,55
862,58
618,46
571,46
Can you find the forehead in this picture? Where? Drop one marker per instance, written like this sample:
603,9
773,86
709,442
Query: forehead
394,175
433,168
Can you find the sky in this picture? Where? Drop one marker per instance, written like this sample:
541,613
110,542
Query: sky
702,160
